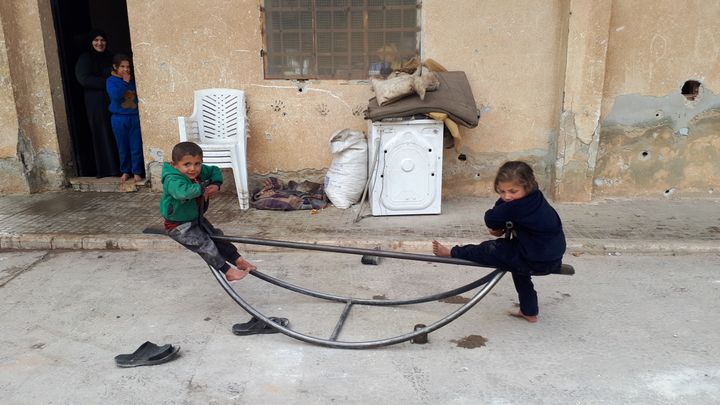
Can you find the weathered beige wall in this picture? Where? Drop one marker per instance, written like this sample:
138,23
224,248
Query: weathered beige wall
54,82
656,45
652,140
530,65
211,44
509,52
578,139
8,115
512,54
13,176
37,137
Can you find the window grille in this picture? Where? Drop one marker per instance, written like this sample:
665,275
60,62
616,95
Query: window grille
338,39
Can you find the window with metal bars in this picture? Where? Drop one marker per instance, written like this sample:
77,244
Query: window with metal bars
339,39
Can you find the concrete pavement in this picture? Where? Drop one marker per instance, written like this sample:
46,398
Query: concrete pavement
635,329
626,328
94,220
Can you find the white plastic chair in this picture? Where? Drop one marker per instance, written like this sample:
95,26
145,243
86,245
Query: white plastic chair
219,125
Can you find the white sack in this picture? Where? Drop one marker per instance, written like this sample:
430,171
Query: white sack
346,177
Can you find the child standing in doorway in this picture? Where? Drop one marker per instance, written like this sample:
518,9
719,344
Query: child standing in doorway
188,185
125,119
537,244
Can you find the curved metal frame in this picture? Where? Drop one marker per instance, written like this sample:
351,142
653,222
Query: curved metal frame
489,281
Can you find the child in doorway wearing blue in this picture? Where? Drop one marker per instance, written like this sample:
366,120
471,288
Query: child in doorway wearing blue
125,119
188,185
538,241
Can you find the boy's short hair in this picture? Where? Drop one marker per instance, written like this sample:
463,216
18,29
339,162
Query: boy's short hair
119,57
185,148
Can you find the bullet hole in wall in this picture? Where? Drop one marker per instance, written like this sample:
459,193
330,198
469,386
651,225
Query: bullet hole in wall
462,157
691,89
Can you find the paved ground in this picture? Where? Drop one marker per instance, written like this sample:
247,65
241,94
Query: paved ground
625,329
91,220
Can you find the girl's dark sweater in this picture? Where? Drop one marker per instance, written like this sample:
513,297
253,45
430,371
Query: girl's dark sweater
540,237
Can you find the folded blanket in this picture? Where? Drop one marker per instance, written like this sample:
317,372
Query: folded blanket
453,97
295,196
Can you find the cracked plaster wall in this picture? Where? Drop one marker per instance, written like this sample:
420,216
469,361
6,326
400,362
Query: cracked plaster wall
13,175
30,142
658,149
514,55
653,141
584,74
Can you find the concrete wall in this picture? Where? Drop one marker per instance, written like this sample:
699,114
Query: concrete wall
510,52
588,92
211,44
653,140
26,28
14,179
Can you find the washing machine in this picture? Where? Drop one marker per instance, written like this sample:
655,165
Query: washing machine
405,167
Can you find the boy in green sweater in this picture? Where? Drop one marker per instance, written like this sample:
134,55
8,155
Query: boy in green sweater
188,186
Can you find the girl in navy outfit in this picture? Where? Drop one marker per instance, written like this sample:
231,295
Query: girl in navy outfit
538,241
125,119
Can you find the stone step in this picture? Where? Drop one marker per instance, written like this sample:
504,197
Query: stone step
107,185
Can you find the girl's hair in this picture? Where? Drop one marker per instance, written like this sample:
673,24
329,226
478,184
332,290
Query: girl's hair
119,57
516,172
185,148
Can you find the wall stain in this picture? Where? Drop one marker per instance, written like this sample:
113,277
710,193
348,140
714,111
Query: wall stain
636,160
635,110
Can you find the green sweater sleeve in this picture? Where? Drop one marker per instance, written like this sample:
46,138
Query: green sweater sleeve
212,173
180,188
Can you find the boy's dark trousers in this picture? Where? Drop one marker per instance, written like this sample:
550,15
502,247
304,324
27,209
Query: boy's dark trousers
195,236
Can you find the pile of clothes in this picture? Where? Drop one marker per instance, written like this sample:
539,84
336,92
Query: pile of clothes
441,95
276,195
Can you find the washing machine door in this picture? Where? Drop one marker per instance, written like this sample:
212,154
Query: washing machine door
410,166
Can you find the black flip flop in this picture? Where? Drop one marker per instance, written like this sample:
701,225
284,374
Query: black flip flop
255,326
147,354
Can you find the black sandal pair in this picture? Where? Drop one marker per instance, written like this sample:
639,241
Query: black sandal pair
149,353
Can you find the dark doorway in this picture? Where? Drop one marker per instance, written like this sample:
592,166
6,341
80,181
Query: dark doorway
73,21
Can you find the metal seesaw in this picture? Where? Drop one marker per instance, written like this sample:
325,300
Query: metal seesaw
487,282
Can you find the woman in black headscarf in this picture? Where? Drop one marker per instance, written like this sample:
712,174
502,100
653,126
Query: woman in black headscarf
92,69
